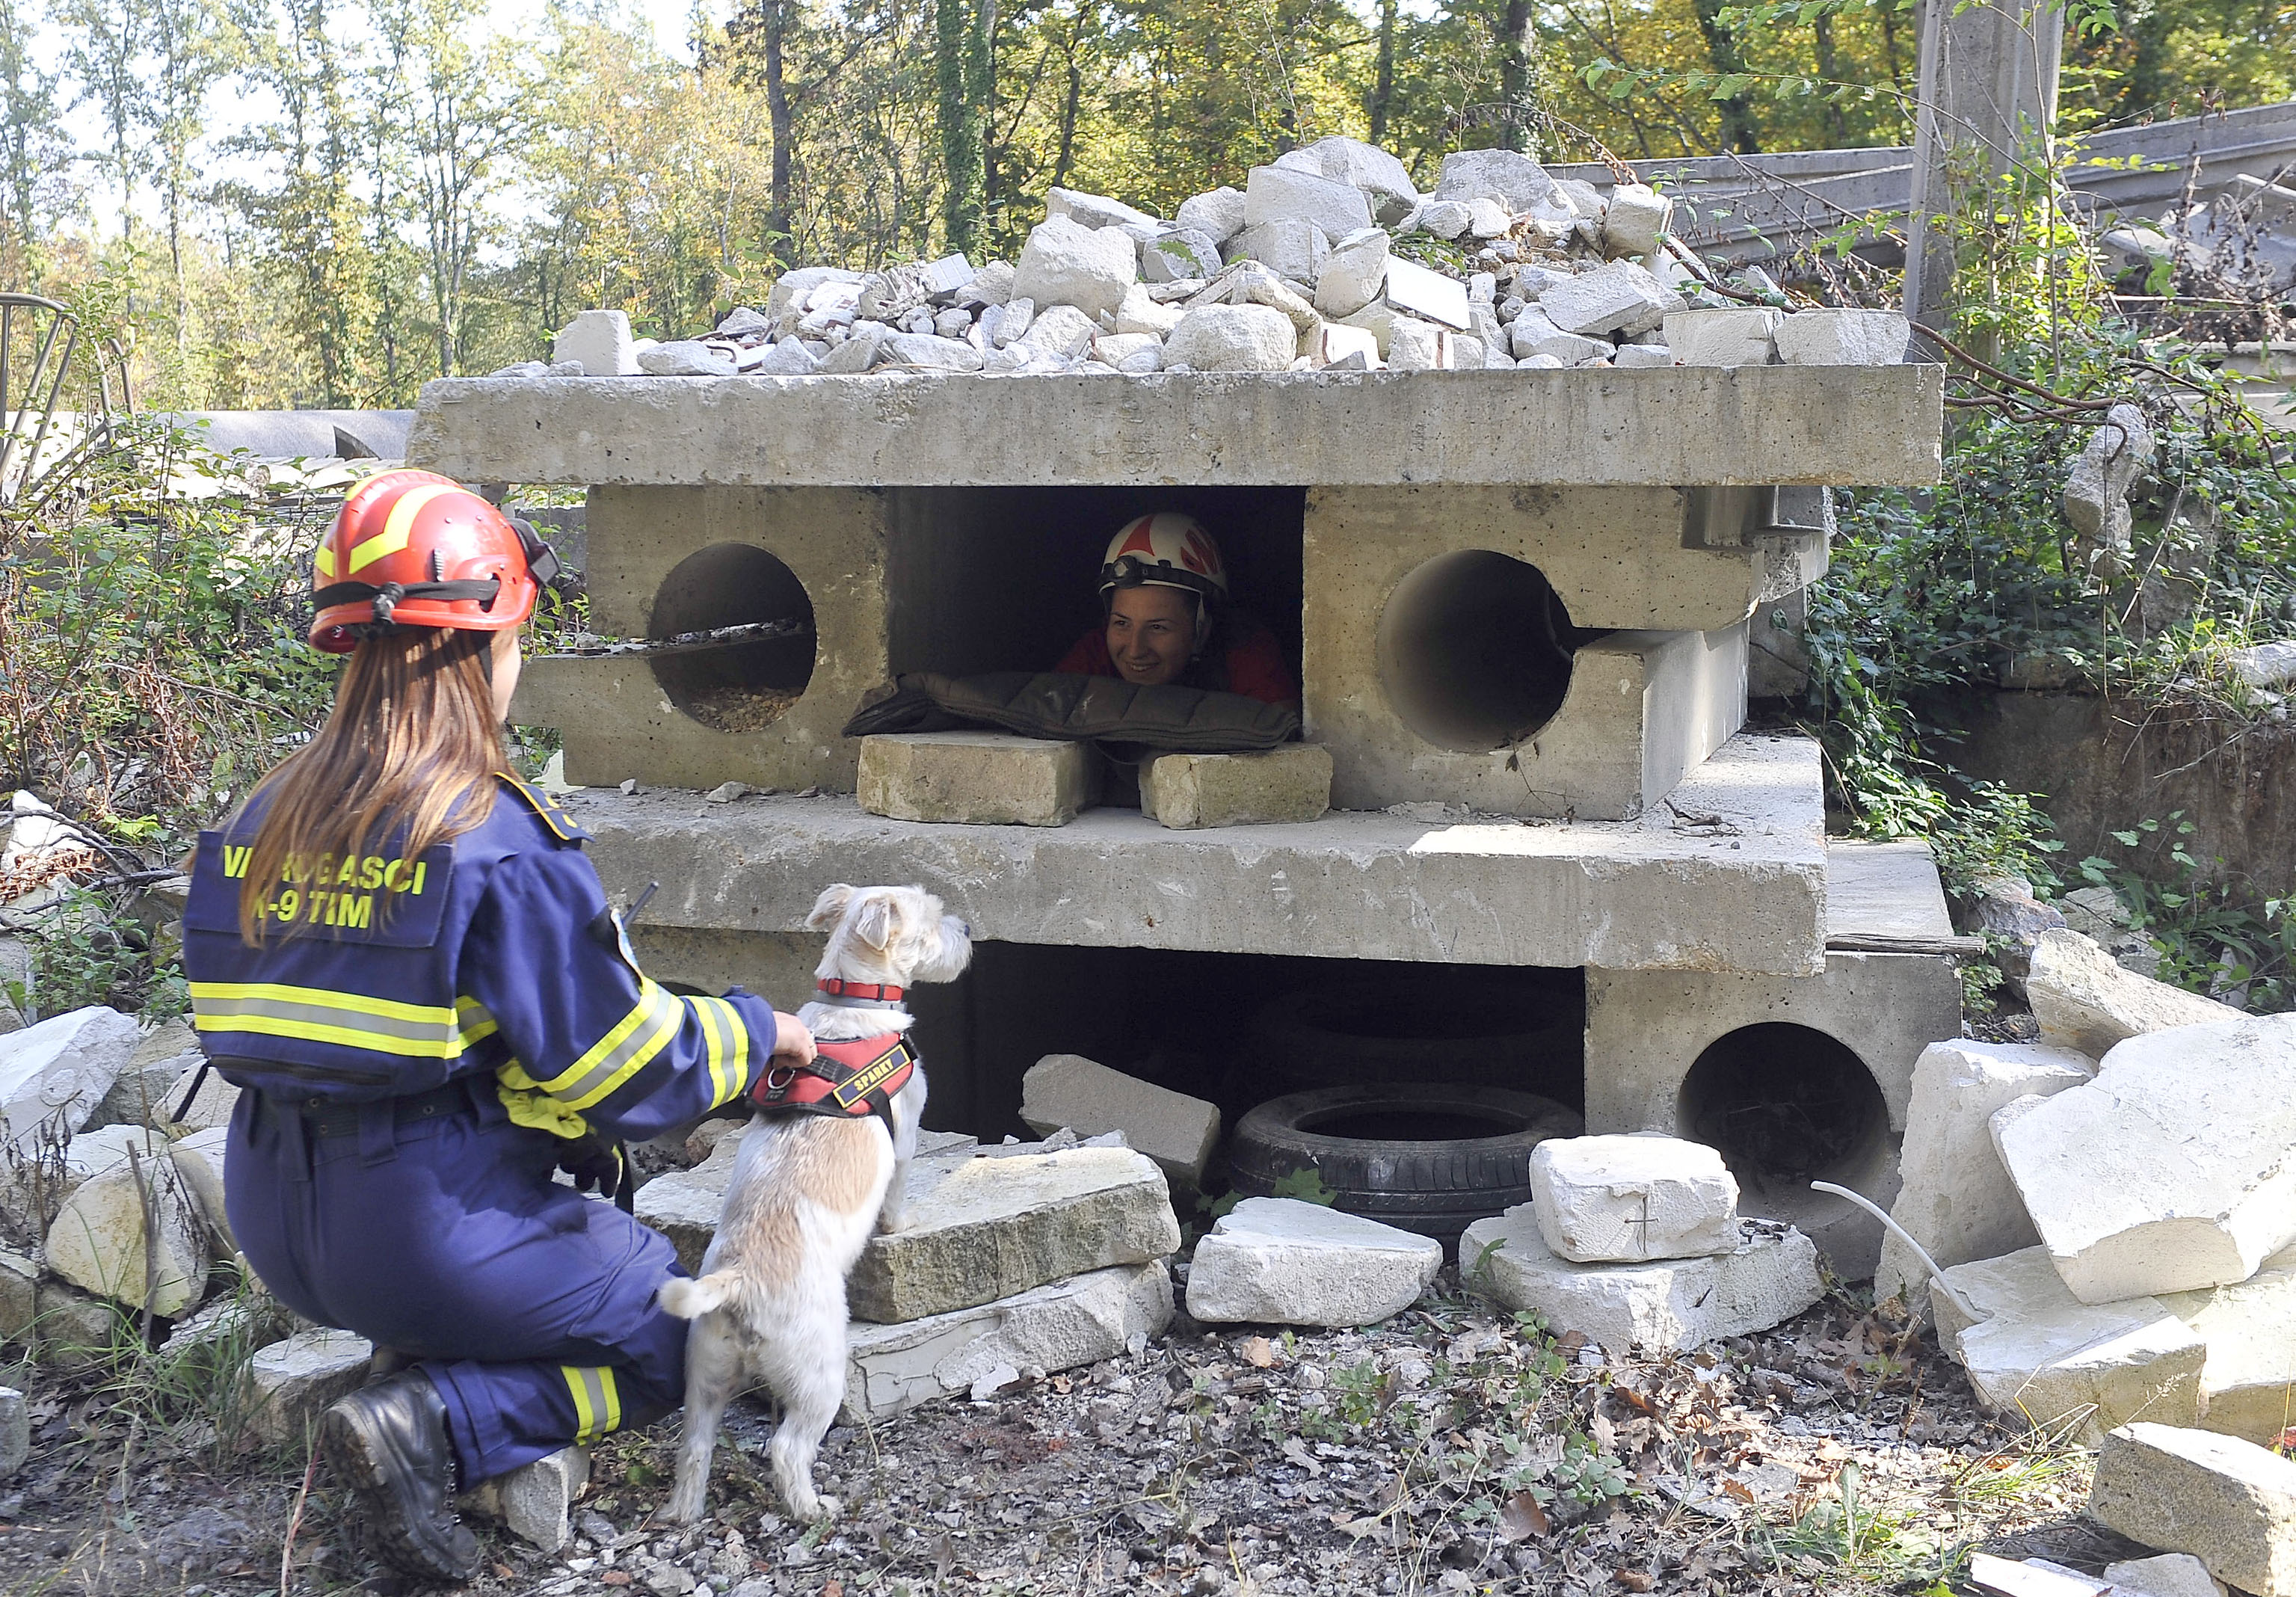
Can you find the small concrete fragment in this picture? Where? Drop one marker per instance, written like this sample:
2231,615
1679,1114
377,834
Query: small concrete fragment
1628,1199
536,1500
1093,210
1416,345
1835,337
684,358
600,339
1675,1304
997,1227
2230,1504
1275,194
1417,290
1737,336
1515,181
2171,1575
1955,1197
15,1432
1218,215
2042,1353
892,1369
2248,1388
1067,263
1620,297
1279,1261
974,778
1378,174
1354,272
1292,782
1178,254
2084,999
2096,489
1232,338
1636,220
1068,1090
1533,335
1293,249
1334,345
2171,1171
289,1383
58,1071
98,1241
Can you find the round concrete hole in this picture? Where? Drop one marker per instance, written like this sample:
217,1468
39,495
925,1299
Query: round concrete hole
1787,1105
1475,650
744,686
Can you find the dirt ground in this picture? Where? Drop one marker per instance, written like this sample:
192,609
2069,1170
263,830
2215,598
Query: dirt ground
1454,1448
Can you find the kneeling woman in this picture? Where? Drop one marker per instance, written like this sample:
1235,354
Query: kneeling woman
402,956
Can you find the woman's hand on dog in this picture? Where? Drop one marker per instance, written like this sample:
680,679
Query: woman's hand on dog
792,1042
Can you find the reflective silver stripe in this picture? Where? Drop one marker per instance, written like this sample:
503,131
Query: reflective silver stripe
662,1013
387,1034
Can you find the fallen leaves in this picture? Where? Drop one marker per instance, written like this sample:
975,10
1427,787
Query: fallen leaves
1520,1518
1259,1352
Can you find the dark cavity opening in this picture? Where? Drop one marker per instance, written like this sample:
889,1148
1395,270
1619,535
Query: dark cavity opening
1785,1104
740,686
1475,649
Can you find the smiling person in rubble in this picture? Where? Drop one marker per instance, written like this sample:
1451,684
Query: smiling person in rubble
401,956
1166,617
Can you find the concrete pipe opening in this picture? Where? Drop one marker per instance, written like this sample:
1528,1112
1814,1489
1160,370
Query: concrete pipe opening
1475,650
744,685
1787,1105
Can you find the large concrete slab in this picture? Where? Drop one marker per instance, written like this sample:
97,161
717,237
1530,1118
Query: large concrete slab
1871,425
1648,893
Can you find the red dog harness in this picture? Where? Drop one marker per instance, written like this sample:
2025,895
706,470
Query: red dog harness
851,1079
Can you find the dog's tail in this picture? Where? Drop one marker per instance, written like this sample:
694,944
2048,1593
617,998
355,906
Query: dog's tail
691,1299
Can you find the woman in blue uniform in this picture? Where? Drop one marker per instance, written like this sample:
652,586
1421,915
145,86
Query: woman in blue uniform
402,957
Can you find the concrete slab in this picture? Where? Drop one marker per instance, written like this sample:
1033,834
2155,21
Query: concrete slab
975,778
2230,1504
1187,792
1749,424
1654,893
1883,889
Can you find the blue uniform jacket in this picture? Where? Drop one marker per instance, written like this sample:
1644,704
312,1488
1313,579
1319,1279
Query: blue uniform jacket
496,954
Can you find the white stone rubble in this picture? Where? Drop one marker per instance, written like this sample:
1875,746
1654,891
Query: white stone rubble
2169,1575
99,1241
1067,1089
1738,335
1279,1261
1066,263
1620,297
1628,1199
2230,1504
1232,338
290,1382
1843,337
2085,1000
55,1074
600,341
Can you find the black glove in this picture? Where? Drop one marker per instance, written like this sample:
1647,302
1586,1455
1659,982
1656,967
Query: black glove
593,1162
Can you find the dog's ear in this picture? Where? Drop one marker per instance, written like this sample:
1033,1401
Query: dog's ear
830,907
879,920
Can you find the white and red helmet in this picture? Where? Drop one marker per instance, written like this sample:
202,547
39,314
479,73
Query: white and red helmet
1167,549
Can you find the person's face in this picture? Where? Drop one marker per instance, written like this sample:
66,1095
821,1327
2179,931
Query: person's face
1152,633
506,664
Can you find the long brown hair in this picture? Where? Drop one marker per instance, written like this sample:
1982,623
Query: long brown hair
408,754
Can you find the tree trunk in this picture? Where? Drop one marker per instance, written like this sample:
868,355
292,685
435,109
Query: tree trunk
960,124
1518,49
1382,93
1070,104
1837,125
775,17
980,100
1722,50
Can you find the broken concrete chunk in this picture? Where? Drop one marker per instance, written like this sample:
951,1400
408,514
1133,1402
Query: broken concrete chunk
1634,221
140,1093
1836,337
1067,1089
1093,210
209,1109
1619,297
199,1162
53,1075
2230,1504
2171,1171
536,1500
2171,1575
1294,249
1366,167
77,1331
1061,331
2043,1354
1279,1261
1232,338
1641,356
1275,195
1177,254
1418,292
1260,287
974,778
2263,664
1218,215
1675,1304
15,1432
1515,181
2248,1388
996,1227
289,1383
2085,1000
600,339
1626,1200
1332,344
1533,333
1737,336
1067,263
2096,490
1104,1313
98,1240
1416,345
684,358
1292,782
1445,218
1129,351
1955,1197
927,352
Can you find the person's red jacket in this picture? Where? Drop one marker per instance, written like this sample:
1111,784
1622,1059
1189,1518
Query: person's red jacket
1244,658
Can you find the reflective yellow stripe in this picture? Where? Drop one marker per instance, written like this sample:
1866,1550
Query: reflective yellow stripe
323,561
597,1402
324,1015
613,1399
623,1051
477,1024
713,1032
734,1023
398,526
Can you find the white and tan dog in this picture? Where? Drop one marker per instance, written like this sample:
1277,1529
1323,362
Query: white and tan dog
769,1305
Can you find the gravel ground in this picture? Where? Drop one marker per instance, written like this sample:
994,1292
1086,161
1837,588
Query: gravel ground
1452,1449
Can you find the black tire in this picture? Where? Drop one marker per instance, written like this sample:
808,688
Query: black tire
1435,1185
1516,1034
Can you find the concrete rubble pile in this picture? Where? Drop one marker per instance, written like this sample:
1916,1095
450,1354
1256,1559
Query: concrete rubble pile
1319,263
1637,1241
2113,1209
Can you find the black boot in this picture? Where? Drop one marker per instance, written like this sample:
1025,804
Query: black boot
388,1443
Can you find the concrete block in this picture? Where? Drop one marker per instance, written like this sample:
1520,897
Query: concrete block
1278,1261
1665,1305
534,1501
99,1240
1066,263
1534,333
1061,330
1232,338
1102,1313
1416,345
2042,1353
1219,214
1354,272
1445,218
1515,181
926,352
1256,286
1294,249
289,1383
1883,890
1292,782
1093,210
56,1073
2171,1575
1737,336
1068,1090
1420,292
1618,297
2248,1388
600,339
2085,1000
199,1162
211,1110
997,1227
1955,1196
1178,254
1630,1200
975,778
1837,337
1379,174
1275,195
1642,358
2230,1504
15,1432
2170,1171
1635,220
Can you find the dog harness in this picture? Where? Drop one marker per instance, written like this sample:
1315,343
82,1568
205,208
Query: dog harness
852,1079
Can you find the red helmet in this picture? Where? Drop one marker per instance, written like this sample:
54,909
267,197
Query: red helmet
1168,549
415,549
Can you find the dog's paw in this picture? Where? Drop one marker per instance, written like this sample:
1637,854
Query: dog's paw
815,1507
684,1507
892,1220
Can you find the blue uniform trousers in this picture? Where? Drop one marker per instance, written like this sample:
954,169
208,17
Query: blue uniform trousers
529,1306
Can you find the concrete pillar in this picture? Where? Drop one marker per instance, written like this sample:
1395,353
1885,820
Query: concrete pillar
1989,82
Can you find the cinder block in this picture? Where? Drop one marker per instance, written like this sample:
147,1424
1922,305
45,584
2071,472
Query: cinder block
1189,790
975,778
